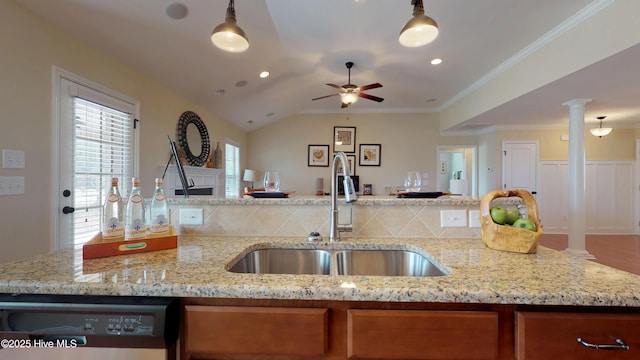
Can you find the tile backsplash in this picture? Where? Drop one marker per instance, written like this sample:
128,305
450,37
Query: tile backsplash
293,220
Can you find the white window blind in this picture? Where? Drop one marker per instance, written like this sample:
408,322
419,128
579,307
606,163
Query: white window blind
232,170
102,149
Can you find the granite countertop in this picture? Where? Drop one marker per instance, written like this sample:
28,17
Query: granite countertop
294,199
197,268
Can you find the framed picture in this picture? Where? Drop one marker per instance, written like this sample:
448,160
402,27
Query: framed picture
351,159
370,154
344,139
318,155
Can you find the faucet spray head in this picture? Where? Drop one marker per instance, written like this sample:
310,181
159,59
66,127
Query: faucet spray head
349,189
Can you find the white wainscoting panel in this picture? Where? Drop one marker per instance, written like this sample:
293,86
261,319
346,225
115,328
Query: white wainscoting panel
609,197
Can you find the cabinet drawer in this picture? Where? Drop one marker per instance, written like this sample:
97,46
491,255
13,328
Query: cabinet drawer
418,334
541,335
256,330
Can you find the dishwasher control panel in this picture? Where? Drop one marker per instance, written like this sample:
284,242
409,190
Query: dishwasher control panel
43,322
92,321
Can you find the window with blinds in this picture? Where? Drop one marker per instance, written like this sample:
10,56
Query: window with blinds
102,149
232,170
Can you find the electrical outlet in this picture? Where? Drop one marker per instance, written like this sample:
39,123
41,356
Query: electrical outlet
474,219
453,218
191,217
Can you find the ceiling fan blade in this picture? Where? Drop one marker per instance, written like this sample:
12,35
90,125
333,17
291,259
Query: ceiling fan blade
370,97
336,86
326,96
370,86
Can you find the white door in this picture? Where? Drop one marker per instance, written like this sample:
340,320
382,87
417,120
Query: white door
95,142
519,165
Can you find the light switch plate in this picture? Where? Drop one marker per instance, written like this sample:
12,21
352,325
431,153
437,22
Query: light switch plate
11,185
474,218
13,159
453,218
191,216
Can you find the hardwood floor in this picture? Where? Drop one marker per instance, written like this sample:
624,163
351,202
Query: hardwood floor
618,251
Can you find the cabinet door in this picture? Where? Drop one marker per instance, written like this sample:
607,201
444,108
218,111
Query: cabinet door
255,330
418,334
541,335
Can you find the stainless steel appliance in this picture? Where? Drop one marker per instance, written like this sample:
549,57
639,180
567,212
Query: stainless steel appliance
57,327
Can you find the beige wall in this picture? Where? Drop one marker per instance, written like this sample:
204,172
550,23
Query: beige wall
29,48
409,141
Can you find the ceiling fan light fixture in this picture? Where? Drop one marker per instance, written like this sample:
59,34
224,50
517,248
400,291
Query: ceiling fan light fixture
420,29
349,97
600,131
228,36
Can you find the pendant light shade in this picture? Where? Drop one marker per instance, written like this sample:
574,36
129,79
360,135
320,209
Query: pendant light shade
228,36
420,30
600,131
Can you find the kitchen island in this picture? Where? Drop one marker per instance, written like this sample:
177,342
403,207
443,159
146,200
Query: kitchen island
323,313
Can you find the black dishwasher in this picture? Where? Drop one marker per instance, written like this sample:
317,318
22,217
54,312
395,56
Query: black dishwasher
70,326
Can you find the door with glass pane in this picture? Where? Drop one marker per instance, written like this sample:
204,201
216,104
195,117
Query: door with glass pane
96,143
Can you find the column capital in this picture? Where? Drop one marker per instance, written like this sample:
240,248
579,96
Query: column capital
576,102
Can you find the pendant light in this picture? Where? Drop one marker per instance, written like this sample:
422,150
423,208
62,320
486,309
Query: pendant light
600,131
420,30
228,36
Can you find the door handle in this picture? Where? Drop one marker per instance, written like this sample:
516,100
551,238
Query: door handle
68,210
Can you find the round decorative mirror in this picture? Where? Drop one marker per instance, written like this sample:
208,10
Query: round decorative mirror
189,127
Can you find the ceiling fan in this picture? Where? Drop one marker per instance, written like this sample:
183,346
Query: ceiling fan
350,93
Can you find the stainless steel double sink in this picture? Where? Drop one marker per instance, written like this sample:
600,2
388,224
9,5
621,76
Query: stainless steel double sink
370,262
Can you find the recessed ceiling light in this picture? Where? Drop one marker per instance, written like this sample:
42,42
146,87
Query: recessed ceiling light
436,61
431,100
270,114
220,92
176,11
241,83
264,74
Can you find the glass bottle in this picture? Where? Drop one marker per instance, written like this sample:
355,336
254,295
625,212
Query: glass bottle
159,212
113,212
135,226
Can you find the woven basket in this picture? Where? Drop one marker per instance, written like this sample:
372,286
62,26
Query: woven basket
508,238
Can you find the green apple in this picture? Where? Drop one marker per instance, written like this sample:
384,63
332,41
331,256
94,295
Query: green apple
499,215
525,224
512,216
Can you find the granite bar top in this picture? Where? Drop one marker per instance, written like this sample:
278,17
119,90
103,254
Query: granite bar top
363,200
198,268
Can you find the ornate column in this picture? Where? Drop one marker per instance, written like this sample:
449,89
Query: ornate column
576,180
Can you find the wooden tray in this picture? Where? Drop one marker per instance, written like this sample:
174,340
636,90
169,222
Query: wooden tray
508,238
97,247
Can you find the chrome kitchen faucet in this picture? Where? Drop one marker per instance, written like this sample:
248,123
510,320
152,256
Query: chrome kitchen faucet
349,195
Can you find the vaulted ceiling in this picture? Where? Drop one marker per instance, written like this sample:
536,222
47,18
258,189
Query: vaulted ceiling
305,44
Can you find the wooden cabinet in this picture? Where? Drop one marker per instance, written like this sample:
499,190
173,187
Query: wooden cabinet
236,330
554,335
338,330
417,334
